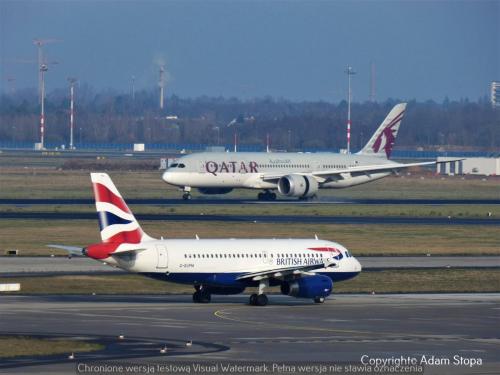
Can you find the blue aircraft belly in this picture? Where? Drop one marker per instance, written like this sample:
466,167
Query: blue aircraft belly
229,279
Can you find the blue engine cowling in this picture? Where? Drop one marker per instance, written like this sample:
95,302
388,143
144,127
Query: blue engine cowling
308,287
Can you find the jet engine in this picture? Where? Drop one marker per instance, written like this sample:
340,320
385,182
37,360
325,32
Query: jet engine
211,191
296,185
317,286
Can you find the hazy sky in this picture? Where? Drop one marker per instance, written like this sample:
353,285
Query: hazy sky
290,49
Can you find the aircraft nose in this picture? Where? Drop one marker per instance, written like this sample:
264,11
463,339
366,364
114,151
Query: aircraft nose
168,177
357,265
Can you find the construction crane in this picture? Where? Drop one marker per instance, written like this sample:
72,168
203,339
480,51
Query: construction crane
40,43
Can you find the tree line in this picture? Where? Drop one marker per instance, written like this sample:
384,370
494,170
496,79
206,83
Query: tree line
109,117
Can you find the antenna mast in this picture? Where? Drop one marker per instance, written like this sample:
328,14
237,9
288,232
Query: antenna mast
43,69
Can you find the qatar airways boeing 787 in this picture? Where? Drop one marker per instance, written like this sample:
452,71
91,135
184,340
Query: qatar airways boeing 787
298,175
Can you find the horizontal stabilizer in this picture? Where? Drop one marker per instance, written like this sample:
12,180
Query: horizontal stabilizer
72,250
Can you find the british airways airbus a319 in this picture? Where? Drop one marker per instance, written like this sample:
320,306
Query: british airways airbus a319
303,268
298,175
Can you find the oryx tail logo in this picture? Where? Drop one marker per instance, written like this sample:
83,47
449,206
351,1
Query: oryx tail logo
116,221
387,136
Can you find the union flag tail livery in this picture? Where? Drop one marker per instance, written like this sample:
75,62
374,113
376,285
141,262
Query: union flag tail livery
116,221
303,268
382,141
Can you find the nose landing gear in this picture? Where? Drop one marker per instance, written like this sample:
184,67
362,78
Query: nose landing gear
187,193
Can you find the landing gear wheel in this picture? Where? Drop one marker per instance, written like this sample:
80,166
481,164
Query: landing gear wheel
196,296
205,297
253,299
266,196
201,297
319,299
186,196
261,300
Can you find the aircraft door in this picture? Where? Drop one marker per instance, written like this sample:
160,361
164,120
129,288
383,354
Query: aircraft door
162,257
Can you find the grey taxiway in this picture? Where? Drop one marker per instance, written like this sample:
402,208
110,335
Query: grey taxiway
46,266
342,330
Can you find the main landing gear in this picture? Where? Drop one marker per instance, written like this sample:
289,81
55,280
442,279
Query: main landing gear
267,195
201,295
260,299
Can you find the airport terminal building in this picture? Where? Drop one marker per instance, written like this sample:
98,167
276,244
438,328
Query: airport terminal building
474,166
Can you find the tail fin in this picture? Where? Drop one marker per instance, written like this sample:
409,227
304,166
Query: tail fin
382,141
116,221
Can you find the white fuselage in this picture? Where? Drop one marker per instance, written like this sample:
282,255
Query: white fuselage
221,261
250,170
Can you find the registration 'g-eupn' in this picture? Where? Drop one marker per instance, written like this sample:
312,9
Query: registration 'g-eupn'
302,268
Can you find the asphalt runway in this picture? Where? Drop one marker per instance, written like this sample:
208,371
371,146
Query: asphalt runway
342,330
47,266
226,201
282,219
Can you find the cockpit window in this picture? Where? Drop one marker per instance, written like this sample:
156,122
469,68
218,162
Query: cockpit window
174,165
181,165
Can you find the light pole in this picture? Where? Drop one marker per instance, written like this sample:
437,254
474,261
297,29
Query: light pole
217,129
133,88
349,71
161,83
71,111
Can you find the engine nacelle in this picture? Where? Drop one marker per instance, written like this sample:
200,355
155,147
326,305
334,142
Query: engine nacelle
211,191
296,185
308,287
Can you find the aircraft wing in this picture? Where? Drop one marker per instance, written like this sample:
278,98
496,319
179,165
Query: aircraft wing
281,273
322,176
